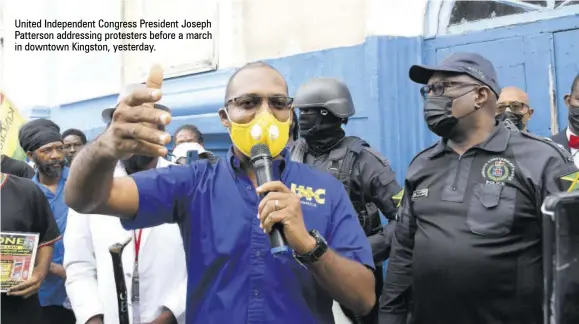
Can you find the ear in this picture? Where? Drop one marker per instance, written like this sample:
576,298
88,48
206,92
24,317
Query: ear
567,99
29,156
531,111
223,116
482,96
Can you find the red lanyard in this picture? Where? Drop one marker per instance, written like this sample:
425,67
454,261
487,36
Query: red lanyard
137,238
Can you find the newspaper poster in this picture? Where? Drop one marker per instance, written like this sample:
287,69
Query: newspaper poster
17,255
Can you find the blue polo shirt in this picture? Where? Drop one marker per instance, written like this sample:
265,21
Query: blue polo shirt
52,291
232,276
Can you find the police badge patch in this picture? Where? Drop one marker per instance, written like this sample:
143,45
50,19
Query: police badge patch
498,170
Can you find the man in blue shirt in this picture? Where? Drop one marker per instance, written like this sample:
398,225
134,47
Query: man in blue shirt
42,142
233,277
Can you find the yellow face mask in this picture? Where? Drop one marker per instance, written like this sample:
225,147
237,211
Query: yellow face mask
263,129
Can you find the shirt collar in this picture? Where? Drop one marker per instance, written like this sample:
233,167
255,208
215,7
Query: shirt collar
234,164
569,133
497,142
61,182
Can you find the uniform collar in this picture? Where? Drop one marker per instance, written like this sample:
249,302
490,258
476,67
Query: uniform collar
234,164
496,142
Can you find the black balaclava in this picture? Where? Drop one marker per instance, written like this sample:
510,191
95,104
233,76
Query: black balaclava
137,163
321,129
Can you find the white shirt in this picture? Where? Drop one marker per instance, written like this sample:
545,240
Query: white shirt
573,151
162,266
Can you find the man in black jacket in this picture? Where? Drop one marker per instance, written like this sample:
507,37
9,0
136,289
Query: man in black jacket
325,104
569,137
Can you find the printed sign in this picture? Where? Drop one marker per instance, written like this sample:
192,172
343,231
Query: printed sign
17,255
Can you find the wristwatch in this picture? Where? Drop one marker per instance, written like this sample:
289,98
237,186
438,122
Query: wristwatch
315,254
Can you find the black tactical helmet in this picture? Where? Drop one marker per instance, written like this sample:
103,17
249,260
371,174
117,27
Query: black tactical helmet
328,93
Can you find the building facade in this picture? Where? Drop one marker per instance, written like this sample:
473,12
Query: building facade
369,44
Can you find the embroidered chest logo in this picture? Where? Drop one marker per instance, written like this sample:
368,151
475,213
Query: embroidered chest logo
498,170
308,195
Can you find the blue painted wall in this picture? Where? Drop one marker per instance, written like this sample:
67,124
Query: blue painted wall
523,55
389,108
388,105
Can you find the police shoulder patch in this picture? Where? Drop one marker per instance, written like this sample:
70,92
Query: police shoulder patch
397,198
559,148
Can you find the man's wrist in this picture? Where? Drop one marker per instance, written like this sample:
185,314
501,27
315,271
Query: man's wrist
308,246
104,149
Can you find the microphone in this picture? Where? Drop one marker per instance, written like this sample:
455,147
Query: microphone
261,161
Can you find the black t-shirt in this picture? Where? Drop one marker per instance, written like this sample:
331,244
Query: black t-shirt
24,208
17,168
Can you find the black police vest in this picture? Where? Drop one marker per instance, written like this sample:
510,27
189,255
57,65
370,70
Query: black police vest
340,163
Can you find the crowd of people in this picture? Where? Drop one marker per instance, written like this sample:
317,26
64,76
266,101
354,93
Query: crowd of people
463,236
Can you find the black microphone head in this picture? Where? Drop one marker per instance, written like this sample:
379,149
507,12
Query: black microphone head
260,151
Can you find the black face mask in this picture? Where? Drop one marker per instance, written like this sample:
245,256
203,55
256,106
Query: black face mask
574,118
137,163
438,116
510,117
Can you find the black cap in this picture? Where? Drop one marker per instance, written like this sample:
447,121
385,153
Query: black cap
470,64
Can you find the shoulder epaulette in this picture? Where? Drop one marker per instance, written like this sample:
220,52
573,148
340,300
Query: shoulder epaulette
559,148
424,151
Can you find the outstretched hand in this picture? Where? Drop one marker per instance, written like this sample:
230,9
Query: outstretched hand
132,130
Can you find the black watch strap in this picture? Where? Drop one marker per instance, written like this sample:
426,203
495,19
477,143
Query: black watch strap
315,254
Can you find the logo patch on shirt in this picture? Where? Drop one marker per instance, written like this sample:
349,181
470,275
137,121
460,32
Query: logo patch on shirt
498,170
308,195
418,194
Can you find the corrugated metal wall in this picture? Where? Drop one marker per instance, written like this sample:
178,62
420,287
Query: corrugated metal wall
388,106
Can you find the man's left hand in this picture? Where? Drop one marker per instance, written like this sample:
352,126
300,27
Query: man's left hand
284,207
29,287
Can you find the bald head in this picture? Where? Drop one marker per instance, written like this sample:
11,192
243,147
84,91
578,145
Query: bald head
255,70
515,100
513,94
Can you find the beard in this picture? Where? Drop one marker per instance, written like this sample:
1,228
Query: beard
51,169
137,163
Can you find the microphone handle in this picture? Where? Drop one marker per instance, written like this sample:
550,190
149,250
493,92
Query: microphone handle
277,240
263,174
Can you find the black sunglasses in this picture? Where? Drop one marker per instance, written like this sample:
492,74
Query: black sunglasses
254,101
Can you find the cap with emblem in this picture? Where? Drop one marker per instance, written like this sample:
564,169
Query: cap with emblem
107,114
470,64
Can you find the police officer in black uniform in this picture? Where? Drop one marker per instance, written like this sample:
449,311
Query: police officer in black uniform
467,244
325,104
